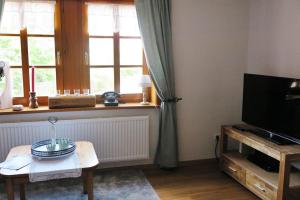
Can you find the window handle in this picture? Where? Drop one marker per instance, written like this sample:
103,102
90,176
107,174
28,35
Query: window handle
86,58
58,58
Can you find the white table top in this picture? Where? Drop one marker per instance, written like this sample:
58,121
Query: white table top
85,151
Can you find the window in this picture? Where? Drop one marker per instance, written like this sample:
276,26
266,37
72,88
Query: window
73,45
115,48
26,40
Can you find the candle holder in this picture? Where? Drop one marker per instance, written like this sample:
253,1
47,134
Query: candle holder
33,100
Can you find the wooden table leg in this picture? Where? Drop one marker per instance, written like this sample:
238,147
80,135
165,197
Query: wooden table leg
84,182
89,184
22,191
10,188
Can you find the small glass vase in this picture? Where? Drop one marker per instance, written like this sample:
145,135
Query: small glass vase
53,140
53,121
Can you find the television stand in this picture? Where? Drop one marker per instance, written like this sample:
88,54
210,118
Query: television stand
284,185
264,134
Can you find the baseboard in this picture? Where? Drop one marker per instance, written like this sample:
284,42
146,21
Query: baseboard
189,163
109,165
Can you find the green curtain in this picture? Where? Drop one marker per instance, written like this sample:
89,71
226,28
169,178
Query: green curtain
154,18
1,9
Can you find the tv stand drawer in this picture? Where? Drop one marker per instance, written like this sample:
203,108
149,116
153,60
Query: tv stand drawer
233,170
259,187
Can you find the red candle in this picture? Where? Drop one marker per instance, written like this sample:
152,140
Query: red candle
32,79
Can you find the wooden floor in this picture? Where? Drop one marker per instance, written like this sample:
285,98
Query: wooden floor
201,182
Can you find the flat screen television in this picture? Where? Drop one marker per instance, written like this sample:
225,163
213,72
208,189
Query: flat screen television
272,104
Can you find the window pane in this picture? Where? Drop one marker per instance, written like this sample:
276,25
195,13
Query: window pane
102,80
100,19
17,81
129,79
45,84
128,21
37,16
2,84
11,22
131,52
101,51
10,50
41,51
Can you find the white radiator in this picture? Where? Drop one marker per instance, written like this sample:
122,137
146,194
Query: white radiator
114,139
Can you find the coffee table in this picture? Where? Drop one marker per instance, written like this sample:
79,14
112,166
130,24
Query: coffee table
88,163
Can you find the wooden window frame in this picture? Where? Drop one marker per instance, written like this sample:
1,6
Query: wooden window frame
42,100
72,53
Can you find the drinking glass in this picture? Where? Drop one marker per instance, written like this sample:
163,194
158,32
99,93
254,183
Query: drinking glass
67,92
86,91
58,93
76,92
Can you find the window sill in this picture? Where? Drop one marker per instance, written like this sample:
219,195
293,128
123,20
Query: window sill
45,109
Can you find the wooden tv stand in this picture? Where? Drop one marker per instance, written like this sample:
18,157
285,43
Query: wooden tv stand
284,185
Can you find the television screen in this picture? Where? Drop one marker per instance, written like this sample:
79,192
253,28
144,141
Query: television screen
273,104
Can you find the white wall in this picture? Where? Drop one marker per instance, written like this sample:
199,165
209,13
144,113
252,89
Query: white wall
274,32
210,52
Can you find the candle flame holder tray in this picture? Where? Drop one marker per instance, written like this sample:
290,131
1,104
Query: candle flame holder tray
46,149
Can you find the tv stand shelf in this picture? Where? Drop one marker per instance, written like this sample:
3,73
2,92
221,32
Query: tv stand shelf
266,185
